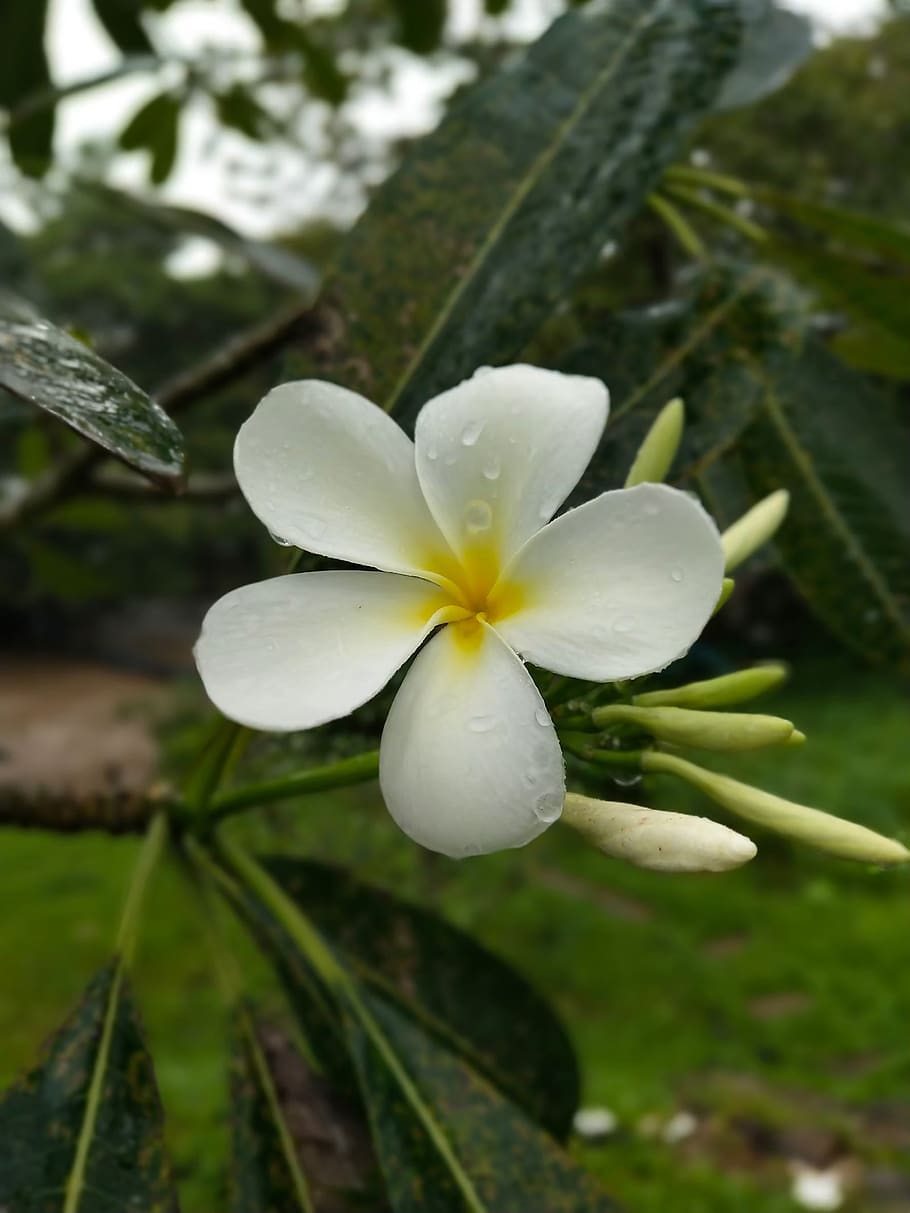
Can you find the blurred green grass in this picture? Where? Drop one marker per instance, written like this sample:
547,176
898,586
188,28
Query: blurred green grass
790,974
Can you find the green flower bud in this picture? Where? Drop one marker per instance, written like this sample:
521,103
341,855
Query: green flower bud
726,589
797,821
650,838
703,730
657,452
718,692
756,527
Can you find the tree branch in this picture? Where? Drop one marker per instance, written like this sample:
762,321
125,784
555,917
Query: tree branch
116,812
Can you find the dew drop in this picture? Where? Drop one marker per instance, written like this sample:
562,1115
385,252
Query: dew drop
280,540
470,849
676,574
623,624
478,516
471,433
492,468
548,806
432,453
314,526
482,724
652,509
542,716
625,781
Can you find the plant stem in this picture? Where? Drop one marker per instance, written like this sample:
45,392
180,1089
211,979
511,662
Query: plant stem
344,773
676,221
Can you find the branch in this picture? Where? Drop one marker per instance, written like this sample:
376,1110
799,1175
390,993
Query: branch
117,812
118,484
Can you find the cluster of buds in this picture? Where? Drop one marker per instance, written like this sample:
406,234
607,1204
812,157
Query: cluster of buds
628,733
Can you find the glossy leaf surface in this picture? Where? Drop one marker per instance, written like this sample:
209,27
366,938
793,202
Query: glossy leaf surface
47,367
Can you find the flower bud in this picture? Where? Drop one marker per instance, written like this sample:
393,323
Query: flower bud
846,839
726,589
756,527
658,450
703,730
650,838
718,692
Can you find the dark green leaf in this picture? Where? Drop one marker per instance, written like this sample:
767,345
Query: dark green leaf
445,1138
24,72
470,245
323,76
297,1145
46,367
828,437
155,127
420,23
874,349
481,1007
239,109
856,230
706,347
776,42
46,1114
122,20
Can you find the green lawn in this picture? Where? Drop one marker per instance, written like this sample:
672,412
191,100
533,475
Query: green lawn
776,998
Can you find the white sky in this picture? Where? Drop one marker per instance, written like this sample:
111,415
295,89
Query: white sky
290,190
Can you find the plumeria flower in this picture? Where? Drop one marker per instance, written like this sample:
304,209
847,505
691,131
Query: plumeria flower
466,569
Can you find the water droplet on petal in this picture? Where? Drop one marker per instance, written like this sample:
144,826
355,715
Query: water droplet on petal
652,509
449,459
542,716
470,849
492,468
478,516
471,433
280,540
314,526
482,724
548,806
432,453
676,574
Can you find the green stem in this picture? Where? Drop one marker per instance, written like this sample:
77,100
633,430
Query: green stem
723,214
323,961
676,221
720,182
341,774
583,746
149,855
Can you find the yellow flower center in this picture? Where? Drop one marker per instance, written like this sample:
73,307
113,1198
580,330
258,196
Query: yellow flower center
479,593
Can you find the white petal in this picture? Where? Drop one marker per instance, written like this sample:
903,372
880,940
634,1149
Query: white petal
619,587
470,761
296,651
328,471
498,455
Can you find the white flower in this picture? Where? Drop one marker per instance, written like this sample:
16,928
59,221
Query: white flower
458,524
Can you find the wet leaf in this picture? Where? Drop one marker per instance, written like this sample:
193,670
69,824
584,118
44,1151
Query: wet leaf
482,1008
825,434
95,1086
297,1144
446,1139
470,245
775,44
43,365
707,347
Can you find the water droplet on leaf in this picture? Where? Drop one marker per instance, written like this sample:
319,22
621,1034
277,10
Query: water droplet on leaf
478,516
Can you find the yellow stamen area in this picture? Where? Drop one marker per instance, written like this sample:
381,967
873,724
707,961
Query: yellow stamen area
476,591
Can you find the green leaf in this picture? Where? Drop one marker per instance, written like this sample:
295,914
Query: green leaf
829,438
420,23
776,42
23,72
482,1008
852,228
489,221
706,347
83,1131
122,20
867,347
155,127
43,365
239,109
323,76
445,1138
297,1145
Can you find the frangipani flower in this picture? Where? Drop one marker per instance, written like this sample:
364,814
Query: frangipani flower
456,529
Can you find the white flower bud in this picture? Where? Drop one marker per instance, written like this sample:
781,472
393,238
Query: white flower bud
658,450
756,527
726,589
718,692
703,730
653,839
821,830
